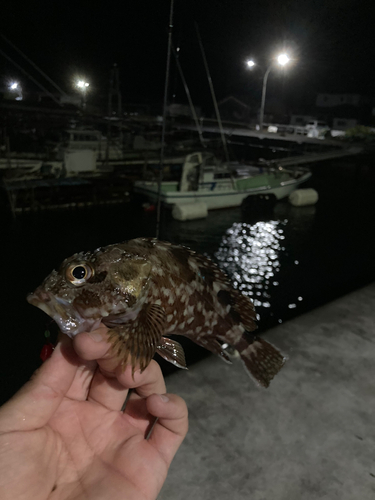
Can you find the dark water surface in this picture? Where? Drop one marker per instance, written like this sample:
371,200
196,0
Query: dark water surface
288,260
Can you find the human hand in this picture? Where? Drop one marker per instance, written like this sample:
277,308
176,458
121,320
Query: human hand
63,436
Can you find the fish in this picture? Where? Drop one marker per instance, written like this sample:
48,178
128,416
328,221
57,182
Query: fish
145,290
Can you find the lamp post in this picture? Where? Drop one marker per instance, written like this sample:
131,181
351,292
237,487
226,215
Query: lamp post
83,87
282,60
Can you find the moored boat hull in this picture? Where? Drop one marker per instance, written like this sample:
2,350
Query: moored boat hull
215,199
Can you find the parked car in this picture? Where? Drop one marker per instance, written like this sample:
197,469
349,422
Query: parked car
317,129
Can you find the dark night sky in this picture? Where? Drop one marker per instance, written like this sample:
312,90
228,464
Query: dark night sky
332,42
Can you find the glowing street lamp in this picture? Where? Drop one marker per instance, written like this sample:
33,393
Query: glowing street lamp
282,59
16,88
82,86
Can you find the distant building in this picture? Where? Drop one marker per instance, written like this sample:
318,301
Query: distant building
333,100
301,120
176,109
344,123
233,110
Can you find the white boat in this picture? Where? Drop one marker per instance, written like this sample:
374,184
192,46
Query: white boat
221,185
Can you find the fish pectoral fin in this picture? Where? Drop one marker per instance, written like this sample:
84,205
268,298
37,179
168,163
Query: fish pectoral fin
172,351
261,359
135,342
155,319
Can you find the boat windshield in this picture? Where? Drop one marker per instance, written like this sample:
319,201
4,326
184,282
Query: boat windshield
210,161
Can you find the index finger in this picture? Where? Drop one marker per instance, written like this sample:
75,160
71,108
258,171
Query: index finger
95,345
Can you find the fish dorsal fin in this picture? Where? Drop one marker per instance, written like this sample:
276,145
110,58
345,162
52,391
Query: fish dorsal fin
135,341
240,309
245,308
172,351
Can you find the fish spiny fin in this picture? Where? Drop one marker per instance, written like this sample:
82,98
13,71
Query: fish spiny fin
135,342
240,309
262,360
172,351
244,306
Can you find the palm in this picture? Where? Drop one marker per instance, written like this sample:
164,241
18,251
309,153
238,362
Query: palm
106,450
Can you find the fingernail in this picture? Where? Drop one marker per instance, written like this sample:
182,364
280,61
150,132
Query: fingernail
96,336
164,398
46,351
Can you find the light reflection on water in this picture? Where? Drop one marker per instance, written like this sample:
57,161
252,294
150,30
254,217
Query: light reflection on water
250,255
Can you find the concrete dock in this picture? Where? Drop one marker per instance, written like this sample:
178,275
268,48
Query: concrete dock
310,436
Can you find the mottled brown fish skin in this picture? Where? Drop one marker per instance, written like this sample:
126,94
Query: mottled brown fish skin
197,297
200,303
144,290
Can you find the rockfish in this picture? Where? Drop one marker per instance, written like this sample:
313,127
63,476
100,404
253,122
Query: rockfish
144,290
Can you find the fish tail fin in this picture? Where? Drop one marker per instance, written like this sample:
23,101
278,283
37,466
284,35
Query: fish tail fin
261,359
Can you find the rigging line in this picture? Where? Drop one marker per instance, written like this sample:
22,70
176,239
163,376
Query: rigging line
33,64
31,77
170,29
199,129
213,94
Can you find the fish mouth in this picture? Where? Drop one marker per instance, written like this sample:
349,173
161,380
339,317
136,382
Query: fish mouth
68,319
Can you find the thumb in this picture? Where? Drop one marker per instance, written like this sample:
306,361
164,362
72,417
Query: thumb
35,403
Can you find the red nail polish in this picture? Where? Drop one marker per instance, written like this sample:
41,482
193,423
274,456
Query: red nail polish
46,351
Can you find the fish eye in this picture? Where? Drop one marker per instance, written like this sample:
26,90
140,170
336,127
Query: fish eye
79,273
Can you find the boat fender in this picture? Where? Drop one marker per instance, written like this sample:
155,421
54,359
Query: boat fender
303,197
190,211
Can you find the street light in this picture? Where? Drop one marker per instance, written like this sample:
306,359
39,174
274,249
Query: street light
282,60
16,88
82,85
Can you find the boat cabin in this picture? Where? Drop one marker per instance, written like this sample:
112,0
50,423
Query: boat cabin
202,170
85,139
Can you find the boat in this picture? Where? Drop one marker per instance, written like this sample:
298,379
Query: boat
218,184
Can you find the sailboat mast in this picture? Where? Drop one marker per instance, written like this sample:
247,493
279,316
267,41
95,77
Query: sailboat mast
166,86
213,95
187,91
109,128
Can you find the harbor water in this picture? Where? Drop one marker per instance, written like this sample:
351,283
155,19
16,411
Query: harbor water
287,259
